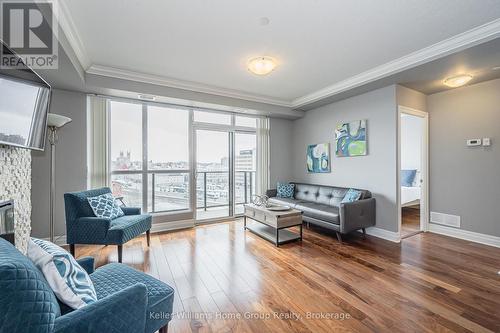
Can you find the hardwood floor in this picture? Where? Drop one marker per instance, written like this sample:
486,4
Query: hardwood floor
410,221
228,280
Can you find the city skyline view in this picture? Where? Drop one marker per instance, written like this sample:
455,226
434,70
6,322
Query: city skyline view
167,150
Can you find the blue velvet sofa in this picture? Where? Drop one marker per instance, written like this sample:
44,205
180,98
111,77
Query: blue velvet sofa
129,301
83,227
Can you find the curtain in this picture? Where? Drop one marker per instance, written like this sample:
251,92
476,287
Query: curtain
97,120
263,156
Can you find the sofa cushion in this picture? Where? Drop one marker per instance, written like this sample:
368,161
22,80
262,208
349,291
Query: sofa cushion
327,195
306,192
320,211
112,278
123,229
284,201
69,281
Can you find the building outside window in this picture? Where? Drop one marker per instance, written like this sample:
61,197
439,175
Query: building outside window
151,151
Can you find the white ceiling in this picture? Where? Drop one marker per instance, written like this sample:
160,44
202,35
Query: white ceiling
318,43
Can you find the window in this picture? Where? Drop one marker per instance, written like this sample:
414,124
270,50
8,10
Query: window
126,136
168,138
246,121
151,173
151,147
212,117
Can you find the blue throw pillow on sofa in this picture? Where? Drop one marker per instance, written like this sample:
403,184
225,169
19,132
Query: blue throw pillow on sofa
407,177
351,196
284,190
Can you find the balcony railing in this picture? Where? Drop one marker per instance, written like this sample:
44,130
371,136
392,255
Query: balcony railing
169,190
212,188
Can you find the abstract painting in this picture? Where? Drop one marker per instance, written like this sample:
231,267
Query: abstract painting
318,158
350,139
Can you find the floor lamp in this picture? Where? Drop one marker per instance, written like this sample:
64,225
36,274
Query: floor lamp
54,122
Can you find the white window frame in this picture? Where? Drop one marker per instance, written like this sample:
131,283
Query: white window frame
191,171
145,172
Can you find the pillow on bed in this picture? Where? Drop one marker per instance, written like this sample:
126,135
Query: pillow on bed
407,177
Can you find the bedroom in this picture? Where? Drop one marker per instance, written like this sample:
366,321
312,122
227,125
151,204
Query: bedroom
412,161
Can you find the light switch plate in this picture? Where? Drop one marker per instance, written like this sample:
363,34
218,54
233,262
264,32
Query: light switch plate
486,142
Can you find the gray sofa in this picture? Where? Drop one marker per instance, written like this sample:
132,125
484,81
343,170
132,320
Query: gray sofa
321,205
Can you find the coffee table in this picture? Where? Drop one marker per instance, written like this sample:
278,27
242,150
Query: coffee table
273,224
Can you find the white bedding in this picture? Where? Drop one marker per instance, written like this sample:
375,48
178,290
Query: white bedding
410,196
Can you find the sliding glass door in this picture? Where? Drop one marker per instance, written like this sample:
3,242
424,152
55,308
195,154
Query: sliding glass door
245,162
213,177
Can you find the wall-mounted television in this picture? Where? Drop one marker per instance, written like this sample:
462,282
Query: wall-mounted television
24,104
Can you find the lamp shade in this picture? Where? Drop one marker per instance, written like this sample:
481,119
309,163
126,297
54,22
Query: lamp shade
56,120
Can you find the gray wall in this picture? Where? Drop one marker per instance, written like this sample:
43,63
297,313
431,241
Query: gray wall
281,151
376,171
71,163
466,181
411,98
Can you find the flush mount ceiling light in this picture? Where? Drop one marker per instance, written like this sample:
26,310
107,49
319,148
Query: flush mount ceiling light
261,65
457,81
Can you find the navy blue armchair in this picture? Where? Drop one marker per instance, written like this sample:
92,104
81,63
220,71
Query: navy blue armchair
82,227
129,301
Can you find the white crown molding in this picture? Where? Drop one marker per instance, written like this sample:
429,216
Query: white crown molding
384,234
465,235
69,29
475,36
124,74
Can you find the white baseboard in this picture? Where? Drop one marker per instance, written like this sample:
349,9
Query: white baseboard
174,225
384,234
465,235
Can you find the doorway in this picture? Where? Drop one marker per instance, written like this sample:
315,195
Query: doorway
412,171
225,173
213,175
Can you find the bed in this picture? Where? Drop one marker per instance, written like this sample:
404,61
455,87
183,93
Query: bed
410,196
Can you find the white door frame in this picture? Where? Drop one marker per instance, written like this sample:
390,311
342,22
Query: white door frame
424,173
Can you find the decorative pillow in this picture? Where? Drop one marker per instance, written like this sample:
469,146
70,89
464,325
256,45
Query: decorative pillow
105,206
69,281
407,177
351,195
284,190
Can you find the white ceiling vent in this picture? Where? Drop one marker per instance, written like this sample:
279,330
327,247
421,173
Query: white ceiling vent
147,97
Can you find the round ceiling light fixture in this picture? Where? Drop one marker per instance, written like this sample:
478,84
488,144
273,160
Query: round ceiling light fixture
264,21
457,81
262,65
